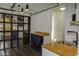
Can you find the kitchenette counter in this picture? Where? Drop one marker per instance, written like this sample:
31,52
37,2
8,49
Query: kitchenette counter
60,49
41,33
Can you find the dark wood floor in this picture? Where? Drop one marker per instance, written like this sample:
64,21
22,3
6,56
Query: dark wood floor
22,51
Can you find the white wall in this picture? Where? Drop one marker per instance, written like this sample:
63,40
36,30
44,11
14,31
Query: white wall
77,18
68,27
42,22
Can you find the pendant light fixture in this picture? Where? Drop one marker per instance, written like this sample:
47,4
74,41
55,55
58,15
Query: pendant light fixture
27,7
22,10
62,7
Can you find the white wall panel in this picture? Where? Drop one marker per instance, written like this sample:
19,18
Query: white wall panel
42,22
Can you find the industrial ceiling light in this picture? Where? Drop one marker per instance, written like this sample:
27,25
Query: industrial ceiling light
27,7
22,10
62,8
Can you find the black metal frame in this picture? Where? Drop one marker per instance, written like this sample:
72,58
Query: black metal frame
11,23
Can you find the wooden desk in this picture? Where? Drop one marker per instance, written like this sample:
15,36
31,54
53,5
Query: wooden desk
61,49
41,33
37,38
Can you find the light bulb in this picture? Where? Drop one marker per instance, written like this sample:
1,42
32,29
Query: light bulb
22,10
62,8
27,9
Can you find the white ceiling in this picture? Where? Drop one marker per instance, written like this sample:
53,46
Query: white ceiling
34,7
6,5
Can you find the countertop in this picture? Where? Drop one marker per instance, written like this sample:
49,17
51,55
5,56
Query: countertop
41,33
61,49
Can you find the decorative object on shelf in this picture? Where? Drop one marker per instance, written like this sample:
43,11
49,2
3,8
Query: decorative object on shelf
7,18
14,20
14,28
74,15
1,18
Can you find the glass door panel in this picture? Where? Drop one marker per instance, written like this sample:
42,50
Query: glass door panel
14,43
14,27
20,19
21,28
1,36
1,26
14,19
2,53
25,27
20,34
25,19
21,42
1,17
14,38
7,35
7,27
7,18
21,39
1,45
7,44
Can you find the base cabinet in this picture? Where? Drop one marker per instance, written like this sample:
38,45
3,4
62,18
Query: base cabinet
36,40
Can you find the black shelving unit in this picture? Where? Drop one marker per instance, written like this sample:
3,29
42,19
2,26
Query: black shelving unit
16,32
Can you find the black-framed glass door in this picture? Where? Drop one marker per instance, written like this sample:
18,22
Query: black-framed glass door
12,30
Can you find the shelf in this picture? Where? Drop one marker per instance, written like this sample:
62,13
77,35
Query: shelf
22,30
14,22
4,31
5,40
14,31
75,22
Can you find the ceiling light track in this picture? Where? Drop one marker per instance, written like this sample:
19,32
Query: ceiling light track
13,5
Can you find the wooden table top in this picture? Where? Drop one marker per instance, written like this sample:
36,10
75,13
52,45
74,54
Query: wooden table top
41,33
61,49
